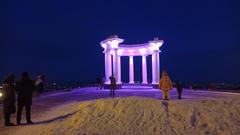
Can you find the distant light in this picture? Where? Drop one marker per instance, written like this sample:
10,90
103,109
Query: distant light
1,94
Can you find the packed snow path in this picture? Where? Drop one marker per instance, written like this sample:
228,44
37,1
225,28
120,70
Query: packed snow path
51,107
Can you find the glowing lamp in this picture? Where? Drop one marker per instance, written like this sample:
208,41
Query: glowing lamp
1,95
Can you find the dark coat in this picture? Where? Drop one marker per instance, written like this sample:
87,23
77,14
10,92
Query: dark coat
98,80
9,99
179,87
25,91
113,84
39,87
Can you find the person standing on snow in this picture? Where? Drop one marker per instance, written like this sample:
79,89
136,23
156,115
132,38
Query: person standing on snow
24,87
165,84
102,83
113,86
39,84
179,89
99,83
8,99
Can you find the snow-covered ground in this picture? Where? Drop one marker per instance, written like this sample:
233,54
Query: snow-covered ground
79,112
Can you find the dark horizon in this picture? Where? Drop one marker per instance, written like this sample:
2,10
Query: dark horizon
61,39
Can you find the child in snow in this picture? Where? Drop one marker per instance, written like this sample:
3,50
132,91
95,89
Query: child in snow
165,84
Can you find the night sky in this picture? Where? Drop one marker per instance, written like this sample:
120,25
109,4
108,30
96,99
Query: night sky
60,38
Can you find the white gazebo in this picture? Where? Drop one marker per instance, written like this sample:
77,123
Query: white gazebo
114,50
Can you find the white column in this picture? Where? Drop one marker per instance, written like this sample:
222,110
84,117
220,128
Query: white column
119,70
154,68
144,69
108,67
115,64
131,70
158,67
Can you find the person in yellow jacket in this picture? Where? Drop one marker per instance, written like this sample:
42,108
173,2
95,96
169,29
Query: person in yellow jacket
165,84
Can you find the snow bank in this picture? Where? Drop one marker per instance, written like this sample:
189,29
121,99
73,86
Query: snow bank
143,116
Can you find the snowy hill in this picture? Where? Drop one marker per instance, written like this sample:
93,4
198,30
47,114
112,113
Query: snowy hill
141,116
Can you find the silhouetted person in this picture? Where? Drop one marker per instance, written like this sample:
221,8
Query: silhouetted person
113,86
8,99
102,83
40,84
99,83
165,84
25,88
179,89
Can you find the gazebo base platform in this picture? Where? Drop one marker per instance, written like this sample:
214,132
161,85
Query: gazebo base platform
132,85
